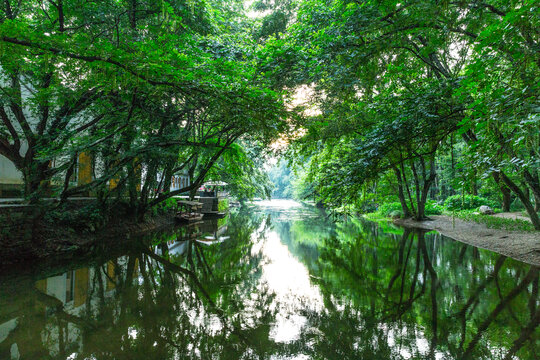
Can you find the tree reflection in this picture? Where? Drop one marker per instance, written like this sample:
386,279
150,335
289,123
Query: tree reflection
424,294
191,294
150,301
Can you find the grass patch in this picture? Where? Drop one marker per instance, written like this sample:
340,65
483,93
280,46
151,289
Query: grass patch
495,222
388,211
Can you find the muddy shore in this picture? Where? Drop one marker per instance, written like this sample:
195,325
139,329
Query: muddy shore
520,245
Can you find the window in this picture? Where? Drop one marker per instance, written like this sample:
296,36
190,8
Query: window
70,285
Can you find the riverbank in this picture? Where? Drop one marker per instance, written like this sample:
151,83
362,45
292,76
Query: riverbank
62,244
520,245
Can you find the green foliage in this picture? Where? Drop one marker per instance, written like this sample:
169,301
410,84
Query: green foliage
223,205
367,206
394,209
241,167
466,202
516,205
418,100
168,206
80,218
433,208
388,208
409,93
163,86
304,186
496,222
283,178
277,15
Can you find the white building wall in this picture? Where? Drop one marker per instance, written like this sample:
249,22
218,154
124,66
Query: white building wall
6,328
9,173
56,286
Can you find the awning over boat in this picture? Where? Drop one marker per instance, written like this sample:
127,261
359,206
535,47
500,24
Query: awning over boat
215,183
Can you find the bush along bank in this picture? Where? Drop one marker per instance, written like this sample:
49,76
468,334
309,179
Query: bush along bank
31,232
464,207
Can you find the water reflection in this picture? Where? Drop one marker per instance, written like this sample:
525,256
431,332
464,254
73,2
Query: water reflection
280,281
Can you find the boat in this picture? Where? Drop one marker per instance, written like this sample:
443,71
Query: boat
189,212
214,214
209,240
188,218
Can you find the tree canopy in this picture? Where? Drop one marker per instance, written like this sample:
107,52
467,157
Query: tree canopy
410,102
399,87
147,88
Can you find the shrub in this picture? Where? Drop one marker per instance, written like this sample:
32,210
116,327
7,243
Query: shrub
394,208
366,207
223,205
467,202
496,222
386,209
86,218
516,205
432,208
170,205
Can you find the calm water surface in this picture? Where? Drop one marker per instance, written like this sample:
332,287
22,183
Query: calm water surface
277,280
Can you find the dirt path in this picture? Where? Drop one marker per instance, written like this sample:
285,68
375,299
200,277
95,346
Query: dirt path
513,216
520,245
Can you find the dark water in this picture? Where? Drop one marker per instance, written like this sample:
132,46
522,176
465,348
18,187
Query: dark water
277,281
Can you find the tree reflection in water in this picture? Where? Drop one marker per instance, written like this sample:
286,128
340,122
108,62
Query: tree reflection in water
419,295
280,283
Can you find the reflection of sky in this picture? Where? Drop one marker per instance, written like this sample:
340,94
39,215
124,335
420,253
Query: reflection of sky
281,204
395,335
287,210
288,279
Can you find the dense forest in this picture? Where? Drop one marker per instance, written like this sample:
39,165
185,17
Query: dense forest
422,104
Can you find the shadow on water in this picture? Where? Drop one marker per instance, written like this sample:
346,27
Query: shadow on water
278,280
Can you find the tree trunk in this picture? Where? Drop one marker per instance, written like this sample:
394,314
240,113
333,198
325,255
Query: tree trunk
419,215
132,185
193,191
524,199
35,180
167,179
191,177
132,13
534,183
505,191
401,194
427,181
507,198
474,185
421,207
406,182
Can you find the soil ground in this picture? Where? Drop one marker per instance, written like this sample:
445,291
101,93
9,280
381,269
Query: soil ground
520,245
513,216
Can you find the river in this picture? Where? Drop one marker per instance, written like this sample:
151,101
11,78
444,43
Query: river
276,280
